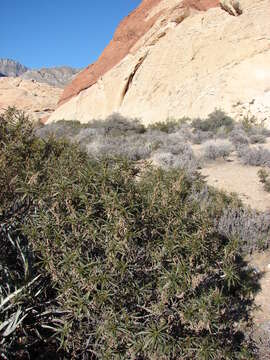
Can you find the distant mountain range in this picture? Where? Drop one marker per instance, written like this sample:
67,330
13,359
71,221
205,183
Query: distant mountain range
55,76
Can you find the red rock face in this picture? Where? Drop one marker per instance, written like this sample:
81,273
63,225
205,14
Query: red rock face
201,5
129,31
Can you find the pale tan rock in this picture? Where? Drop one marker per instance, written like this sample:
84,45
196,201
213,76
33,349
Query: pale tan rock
36,99
187,64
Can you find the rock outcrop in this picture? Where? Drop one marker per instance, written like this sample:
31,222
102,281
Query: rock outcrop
174,58
129,32
38,100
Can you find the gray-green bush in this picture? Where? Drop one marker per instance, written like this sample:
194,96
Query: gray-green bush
264,177
217,149
139,268
249,226
255,156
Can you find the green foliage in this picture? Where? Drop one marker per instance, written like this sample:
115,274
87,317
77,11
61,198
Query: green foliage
214,122
250,122
170,125
28,306
136,265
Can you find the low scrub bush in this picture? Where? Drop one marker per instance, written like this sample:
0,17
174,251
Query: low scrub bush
264,177
113,125
139,268
176,157
116,125
255,156
60,129
251,228
239,137
217,149
132,147
200,136
170,125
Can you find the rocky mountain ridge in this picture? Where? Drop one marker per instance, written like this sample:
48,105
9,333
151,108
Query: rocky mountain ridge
172,58
12,68
55,76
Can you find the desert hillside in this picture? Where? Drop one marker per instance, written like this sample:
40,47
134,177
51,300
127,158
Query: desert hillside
35,91
170,59
36,99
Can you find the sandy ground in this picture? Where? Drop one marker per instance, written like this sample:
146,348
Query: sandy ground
230,175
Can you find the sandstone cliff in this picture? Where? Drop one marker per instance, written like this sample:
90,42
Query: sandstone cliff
174,58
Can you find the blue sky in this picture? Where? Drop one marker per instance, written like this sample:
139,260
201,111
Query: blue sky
43,33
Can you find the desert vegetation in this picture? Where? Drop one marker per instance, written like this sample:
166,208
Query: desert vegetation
264,177
168,144
103,258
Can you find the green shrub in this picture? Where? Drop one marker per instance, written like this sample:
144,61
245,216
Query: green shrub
170,125
28,305
214,122
139,268
132,289
116,125
249,122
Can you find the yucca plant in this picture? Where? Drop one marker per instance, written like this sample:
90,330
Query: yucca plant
28,306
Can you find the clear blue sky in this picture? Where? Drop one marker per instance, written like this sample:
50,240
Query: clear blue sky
43,33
